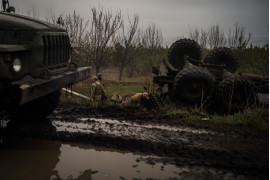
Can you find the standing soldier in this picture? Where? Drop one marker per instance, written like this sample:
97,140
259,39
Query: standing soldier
97,90
99,76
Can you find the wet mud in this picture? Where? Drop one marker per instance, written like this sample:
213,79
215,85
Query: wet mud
181,151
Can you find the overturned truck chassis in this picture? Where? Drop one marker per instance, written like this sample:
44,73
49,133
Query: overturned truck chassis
185,79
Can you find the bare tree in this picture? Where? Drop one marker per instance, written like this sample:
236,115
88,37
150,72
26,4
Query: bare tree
200,36
203,39
152,42
125,46
237,38
194,34
216,37
76,27
152,38
135,53
99,38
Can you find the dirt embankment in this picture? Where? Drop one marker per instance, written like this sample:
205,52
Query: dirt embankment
125,128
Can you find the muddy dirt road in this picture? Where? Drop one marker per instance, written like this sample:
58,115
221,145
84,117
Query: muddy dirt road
145,148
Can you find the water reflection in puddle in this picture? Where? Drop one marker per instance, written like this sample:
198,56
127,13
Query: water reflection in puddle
106,164
42,159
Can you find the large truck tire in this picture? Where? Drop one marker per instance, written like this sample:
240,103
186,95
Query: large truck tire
234,94
181,49
222,56
37,109
193,84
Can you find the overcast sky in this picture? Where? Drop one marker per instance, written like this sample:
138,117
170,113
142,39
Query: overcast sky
174,17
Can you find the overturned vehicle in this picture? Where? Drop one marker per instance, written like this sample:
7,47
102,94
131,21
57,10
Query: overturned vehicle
185,79
35,63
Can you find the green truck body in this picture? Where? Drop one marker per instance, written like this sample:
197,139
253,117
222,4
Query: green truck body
35,60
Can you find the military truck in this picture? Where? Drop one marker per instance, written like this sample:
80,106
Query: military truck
185,79
35,63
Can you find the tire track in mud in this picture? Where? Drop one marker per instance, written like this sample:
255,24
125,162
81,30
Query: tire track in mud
114,128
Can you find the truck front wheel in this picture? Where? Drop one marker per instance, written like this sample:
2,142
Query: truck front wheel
38,109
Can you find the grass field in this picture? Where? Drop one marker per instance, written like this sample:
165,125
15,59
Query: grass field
127,87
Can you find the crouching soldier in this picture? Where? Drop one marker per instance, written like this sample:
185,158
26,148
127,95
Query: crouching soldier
149,101
139,98
97,91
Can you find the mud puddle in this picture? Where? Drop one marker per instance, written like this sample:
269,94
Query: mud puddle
32,159
28,158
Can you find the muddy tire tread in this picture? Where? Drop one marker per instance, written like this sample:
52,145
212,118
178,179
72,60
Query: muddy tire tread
188,74
222,55
235,94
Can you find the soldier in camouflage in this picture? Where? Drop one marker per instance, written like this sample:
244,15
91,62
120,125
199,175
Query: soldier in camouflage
97,91
139,98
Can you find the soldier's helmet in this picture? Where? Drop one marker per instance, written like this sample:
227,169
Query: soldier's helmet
99,75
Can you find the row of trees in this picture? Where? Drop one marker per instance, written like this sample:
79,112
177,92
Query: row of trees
237,38
106,38
252,59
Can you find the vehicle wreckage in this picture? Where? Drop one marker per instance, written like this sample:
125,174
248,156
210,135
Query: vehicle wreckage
185,79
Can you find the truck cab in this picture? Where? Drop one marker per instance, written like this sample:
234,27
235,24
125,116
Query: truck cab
35,63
